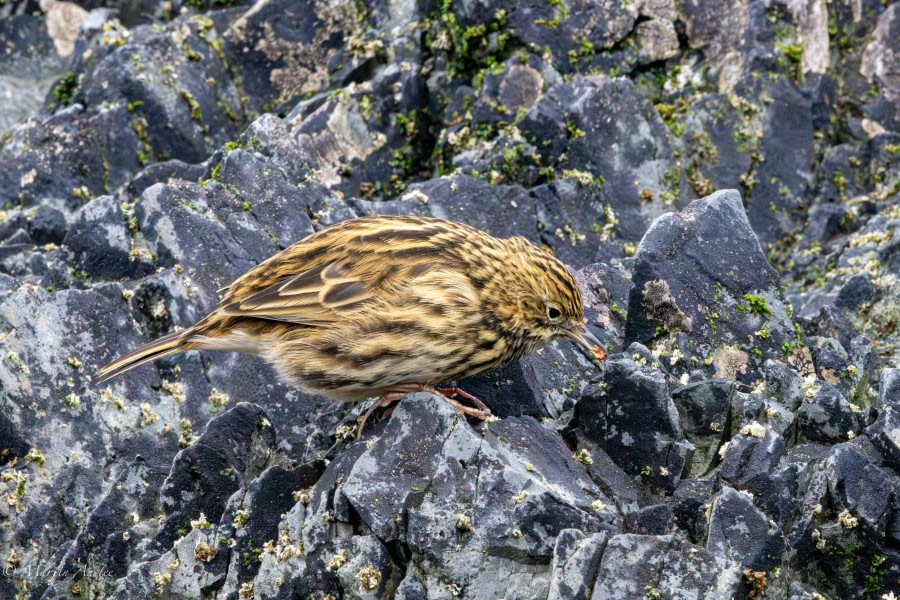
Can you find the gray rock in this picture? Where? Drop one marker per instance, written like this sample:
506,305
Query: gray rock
738,530
651,520
858,485
231,452
605,290
414,481
28,67
639,174
705,412
826,416
159,168
884,435
879,60
280,64
502,211
630,415
576,558
784,383
710,311
689,504
889,389
635,566
856,292
748,457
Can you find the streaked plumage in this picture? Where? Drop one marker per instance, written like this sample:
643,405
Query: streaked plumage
365,306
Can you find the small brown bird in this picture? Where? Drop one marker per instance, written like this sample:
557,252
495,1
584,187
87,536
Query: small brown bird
389,305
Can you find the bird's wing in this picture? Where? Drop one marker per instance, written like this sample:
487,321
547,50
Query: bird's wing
317,296
351,266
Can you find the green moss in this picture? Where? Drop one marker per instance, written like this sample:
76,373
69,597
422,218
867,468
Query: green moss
196,111
840,182
573,130
484,131
190,53
793,52
472,50
512,159
669,114
789,348
757,305
65,88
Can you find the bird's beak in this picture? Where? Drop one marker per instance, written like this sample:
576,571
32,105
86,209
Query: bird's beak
583,337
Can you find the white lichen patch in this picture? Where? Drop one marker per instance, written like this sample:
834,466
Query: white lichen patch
847,520
583,456
73,401
148,417
174,389
723,449
811,386
35,456
754,429
241,517
284,548
369,578
302,496
345,433
205,552
337,561
463,523
200,522
218,399
415,195
246,591
161,581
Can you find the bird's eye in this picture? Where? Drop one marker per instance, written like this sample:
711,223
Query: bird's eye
553,313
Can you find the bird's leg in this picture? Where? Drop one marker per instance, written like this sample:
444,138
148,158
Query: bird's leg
481,412
453,390
386,399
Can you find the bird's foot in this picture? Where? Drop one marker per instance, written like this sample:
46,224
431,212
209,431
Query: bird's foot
395,393
452,390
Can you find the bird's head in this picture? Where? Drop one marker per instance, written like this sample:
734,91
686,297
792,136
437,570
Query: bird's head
542,301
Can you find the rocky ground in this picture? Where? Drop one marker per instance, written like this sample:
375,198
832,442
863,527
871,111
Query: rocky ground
725,177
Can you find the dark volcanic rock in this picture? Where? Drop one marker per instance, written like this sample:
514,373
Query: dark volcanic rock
619,183
705,412
749,457
651,520
708,287
740,531
576,558
231,452
638,565
631,416
415,482
826,416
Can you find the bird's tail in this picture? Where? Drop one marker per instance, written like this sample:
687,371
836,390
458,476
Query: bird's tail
164,346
